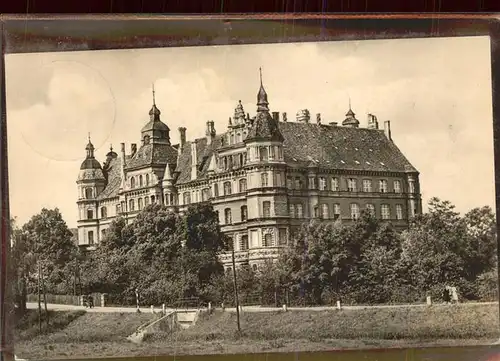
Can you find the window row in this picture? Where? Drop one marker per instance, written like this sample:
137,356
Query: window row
139,181
351,185
228,217
90,236
233,161
323,211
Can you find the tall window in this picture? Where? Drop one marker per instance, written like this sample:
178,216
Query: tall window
324,211
399,211
385,211
132,182
227,188
354,211
266,209
282,236
277,180
244,213
140,181
88,193
153,199
104,212
382,185
131,204
370,208
292,211
312,183
336,211
140,203
300,213
264,154
91,237
205,194
411,186
227,216
147,179
268,240
216,190
146,201
352,185
103,234
322,184
264,179
118,209
298,183
243,185
367,185
335,184
244,242
397,186
272,154
90,214
186,198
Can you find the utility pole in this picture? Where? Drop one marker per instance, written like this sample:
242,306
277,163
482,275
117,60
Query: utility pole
39,301
236,292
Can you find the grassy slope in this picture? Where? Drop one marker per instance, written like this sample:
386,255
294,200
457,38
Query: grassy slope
103,334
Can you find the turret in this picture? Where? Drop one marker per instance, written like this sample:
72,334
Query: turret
155,131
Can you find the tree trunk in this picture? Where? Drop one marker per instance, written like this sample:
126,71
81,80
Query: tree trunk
45,302
39,300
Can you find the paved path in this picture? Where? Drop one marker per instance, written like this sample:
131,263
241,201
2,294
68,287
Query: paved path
56,307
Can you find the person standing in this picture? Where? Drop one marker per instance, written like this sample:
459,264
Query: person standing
446,295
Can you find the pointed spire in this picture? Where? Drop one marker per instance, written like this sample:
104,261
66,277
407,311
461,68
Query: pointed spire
154,103
90,148
350,113
167,176
262,103
154,113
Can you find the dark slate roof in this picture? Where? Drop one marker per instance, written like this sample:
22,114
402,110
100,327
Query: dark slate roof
264,127
90,163
91,174
204,154
336,147
153,154
155,125
114,179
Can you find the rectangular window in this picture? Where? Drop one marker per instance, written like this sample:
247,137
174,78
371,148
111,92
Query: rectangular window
300,213
186,198
298,183
227,188
266,209
336,211
335,184
383,186
268,240
244,213
322,184
385,211
312,183
91,237
292,211
399,211
324,211
216,190
264,180
263,153
282,236
352,185
367,185
289,183
354,211
227,216
244,242
397,186
140,203
370,208
90,214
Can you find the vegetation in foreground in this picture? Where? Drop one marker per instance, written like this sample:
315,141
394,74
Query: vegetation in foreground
277,331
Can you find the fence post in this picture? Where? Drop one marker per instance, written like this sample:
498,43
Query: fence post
163,309
222,306
209,307
103,300
152,309
338,305
429,301
285,308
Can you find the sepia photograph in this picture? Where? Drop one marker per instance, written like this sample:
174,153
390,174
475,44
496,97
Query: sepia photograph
253,198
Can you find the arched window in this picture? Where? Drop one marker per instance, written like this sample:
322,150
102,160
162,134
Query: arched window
146,201
132,182
186,198
147,179
216,190
227,188
244,242
254,267
131,205
227,216
268,240
140,181
264,154
354,211
139,203
243,185
244,213
146,139
89,193
91,237
104,212
324,211
153,199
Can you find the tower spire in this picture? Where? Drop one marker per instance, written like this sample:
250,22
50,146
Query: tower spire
262,103
260,71
154,103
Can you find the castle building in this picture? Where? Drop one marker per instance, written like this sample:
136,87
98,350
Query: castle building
265,176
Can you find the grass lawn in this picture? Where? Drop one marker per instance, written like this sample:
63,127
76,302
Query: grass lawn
104,334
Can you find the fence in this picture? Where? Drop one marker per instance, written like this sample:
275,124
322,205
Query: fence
66,299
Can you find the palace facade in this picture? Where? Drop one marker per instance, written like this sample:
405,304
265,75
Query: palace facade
265,175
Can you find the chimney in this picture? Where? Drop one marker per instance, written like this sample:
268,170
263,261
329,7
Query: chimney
194,160
284,117
276,116
210,132
387,129
122,150
182,137
133,149
372,122
318,118
303,116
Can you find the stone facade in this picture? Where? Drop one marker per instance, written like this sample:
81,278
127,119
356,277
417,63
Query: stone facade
264,176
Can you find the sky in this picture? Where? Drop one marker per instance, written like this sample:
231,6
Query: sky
436,93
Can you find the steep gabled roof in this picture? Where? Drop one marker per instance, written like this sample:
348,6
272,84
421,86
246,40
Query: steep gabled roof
153,154
264,127
346,148
114,179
